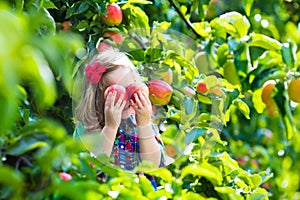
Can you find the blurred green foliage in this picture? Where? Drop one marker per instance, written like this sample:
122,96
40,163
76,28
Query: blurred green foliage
238,150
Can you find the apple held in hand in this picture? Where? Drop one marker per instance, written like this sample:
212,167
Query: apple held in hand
134,88
120,91
114,15
160,92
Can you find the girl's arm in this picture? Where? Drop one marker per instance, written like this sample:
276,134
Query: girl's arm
107,140
150,150
113,113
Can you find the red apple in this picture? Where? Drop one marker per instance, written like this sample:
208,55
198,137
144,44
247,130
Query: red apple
242,160
116,37
114,15
134,88
202,88
65,176
119,89
66,25
171,151
160,92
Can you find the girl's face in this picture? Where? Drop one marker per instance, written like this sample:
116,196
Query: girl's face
124,76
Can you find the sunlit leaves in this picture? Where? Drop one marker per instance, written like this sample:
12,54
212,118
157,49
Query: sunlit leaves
12,184
232,23
263,41
30,59
204,169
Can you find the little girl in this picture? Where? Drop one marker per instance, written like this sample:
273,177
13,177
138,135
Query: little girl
120,128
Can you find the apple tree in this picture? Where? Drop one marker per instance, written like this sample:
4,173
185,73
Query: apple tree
231,124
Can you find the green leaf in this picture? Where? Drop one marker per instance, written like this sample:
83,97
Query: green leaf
189,109
243,107
49,5
287,55
12,179
145,185
231,96
25,144
268,60
268,74
160,193
253,181
46,22
240,22
257,101
139,1
77,8
263,41
222,54
265,176
259,194
248,5
35,69
152,55
161,26
228,193
230,72
162,173
256,180
8,97
205,170
202,28
204,99
19,4
229,164
194,134
139,21
36,135
44,126
193,196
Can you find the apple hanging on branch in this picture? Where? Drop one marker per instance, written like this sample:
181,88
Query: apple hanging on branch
115,36
114,15
160,92
201,88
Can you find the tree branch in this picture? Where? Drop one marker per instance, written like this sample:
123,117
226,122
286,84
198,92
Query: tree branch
136,38
187,22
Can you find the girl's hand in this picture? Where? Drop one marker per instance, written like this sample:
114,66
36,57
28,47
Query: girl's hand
143,108
113,111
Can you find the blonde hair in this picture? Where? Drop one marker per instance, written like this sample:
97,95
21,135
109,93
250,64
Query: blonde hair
90,110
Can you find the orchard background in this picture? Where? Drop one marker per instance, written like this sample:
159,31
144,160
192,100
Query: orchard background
252,49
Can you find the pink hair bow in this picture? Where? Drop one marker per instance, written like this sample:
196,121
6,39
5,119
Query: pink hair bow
94,73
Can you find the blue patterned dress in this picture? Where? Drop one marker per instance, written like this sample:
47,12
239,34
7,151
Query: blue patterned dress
125,151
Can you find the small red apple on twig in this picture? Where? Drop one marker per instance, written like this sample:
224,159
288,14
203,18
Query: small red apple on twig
202,88
65,176
114,15
116,37
66,25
